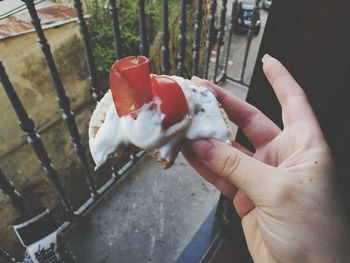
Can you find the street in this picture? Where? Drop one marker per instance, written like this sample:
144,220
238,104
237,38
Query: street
238,47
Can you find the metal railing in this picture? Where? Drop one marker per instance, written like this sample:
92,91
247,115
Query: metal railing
29,128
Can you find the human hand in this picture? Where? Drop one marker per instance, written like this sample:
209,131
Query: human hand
284,191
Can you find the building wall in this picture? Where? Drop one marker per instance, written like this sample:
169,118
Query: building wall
28,72
29,75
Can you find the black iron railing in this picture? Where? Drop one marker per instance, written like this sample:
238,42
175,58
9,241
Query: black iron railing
210,35
96,91
9,190
220,37
250,35
115,22
62,98
28,126
165,38
197,37
233,17
182,40
143,33
33,138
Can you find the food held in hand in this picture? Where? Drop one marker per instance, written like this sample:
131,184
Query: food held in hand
152,112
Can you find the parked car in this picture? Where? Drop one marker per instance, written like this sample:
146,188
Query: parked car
244,19
267,4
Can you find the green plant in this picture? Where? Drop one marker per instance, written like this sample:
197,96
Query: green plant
101,30
174,29
103,40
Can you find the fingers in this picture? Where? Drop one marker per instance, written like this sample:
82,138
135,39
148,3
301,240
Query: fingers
242,203
241,148
295,106
223,186
249,175
256,126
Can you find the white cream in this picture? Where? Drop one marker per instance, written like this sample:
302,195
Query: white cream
116,133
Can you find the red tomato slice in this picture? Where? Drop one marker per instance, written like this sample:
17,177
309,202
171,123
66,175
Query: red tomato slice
173,101
130,84
132,87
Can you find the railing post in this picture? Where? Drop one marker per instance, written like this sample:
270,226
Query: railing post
28,126
7,188
63,100
182,40
96,91
234,13
142,24
250,37
165,69
116,31
210,33
220,37
5,257
197,37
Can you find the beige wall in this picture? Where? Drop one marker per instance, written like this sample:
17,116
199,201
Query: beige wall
28,72
29,75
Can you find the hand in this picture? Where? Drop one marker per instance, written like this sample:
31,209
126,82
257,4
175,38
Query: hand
284,191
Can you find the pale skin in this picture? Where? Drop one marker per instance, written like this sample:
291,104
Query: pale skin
284,191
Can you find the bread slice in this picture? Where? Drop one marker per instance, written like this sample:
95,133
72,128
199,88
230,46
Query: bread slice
98,118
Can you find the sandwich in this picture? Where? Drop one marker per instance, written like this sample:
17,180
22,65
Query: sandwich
153,112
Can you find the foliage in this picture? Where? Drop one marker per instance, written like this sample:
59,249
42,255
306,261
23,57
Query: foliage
102,38
101,31
174,29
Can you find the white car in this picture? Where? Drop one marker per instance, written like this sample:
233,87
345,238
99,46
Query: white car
267,4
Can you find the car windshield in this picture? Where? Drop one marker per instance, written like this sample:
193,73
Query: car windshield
247,13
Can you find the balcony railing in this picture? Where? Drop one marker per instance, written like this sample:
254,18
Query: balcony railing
215,32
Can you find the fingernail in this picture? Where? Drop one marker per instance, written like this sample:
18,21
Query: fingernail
202,149
265,58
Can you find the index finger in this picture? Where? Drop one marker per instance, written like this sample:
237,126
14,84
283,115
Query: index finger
296,109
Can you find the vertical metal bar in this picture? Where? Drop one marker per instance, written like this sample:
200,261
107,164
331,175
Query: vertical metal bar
142,24
197,37
116,31
250,36
5,257
63,100
96,91
182,40
210,33
220,37
234,13
165,69
28,126
7,188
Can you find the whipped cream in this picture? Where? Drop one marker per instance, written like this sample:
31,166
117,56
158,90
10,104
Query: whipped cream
116,133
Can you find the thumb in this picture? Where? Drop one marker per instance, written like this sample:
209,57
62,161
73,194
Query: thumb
246,173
